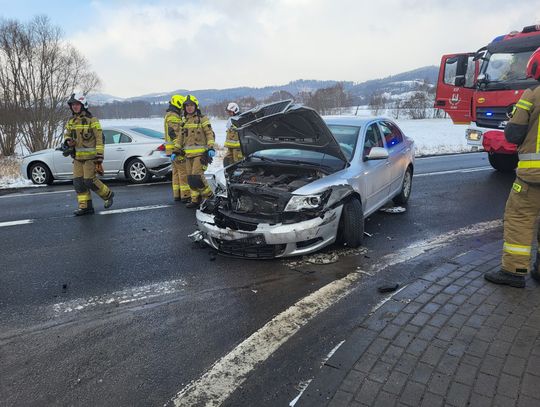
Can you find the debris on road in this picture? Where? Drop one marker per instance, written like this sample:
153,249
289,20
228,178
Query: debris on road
196,236
393,209
388,288
324,258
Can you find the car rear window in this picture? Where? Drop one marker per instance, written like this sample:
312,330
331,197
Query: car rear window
148,132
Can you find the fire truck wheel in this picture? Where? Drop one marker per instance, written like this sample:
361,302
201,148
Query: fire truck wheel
503,162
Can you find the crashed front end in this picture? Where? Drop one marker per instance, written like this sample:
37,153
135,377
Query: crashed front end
257,213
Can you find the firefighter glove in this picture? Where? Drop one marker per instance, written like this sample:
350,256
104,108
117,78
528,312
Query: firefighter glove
99,168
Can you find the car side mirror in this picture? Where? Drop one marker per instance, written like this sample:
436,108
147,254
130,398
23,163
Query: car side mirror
377,153
59,148
459,81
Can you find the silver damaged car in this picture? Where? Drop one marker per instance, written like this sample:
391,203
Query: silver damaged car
306,182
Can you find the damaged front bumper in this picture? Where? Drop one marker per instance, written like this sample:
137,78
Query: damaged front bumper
270,241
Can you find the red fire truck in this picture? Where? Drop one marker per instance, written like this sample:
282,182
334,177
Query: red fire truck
482,87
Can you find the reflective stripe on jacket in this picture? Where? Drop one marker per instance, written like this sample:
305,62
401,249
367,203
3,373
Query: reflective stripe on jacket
86,131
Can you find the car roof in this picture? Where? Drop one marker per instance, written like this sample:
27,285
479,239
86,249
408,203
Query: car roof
352,120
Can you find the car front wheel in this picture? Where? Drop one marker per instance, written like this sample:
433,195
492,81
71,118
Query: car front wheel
351,224
40,174
137,172
403,197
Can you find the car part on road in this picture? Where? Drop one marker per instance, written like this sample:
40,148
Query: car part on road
40,174
388,288
137,172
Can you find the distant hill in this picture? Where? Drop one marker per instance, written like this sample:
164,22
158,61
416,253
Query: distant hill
394,84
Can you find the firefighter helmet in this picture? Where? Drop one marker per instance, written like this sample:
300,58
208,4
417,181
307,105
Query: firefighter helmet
533,66
177,101
191,99
233,107
79,98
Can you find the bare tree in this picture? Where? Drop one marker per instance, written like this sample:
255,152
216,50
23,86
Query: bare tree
38,72
416,106
377,103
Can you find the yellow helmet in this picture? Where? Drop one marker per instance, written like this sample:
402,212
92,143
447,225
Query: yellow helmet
178,101
192,99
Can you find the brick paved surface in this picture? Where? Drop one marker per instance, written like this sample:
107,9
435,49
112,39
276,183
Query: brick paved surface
448,339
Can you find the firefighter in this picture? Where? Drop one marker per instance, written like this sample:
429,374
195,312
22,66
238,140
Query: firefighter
173,128
83,133
523,205
196,142
232,143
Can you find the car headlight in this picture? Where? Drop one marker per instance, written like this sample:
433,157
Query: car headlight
473,134
302,202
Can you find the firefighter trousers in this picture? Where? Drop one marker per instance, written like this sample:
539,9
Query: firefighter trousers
233,155
520,226
85,180
198,185
179,179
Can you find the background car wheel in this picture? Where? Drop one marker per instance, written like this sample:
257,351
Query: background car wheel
403,197
40,174
503,162
351,224
137,172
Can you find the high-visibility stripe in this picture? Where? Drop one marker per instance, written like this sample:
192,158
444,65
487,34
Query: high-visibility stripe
529,164
172,119
517,249
525,102
192,125
84,197
176,187
529,157
96,125
100,149
232,144
195,150
522,105
184,188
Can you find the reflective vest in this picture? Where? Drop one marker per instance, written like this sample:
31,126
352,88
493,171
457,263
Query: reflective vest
86,131
197,136
231,141
173,127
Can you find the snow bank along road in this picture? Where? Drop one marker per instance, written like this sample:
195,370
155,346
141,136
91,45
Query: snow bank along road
137,315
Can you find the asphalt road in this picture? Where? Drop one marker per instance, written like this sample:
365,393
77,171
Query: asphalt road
123,309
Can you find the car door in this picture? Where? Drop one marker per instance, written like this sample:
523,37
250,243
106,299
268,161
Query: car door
376,173
399,152
63,166
115,150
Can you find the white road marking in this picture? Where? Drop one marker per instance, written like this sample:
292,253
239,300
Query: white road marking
126,296
303,387
146,185
229,372
135,209
449,155
385,300
16,222
462,170
67,191
331,353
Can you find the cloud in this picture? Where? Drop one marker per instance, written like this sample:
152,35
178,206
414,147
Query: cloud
137,47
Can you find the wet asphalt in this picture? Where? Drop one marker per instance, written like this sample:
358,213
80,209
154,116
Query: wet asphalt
144,352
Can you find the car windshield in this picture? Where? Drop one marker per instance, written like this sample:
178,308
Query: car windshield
297,156
346,136
148,132
506,67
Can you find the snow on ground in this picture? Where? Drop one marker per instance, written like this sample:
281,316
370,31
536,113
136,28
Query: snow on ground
431,136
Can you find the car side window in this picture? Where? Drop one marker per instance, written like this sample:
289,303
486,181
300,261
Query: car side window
125,139
373,138
112,136
391,133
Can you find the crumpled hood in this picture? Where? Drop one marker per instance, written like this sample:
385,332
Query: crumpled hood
285,125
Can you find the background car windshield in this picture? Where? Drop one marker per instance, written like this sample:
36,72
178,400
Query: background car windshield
305,156
148,132
507,66
346,136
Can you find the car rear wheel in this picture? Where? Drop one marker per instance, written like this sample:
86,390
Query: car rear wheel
137,172
403,197
503,162
40,174
351,224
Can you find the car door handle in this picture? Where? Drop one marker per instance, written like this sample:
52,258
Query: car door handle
119,149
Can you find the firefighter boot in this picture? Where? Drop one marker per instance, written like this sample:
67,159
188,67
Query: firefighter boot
109,201
89,210
504,278
192,204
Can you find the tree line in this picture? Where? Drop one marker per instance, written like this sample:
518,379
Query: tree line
38,72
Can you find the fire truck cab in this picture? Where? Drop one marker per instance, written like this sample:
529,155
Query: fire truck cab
482,88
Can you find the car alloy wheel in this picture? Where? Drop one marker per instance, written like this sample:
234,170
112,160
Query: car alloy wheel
137,172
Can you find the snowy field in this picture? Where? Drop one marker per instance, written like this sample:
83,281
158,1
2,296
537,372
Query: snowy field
431,136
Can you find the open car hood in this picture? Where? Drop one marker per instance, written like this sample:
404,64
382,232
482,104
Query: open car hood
285,125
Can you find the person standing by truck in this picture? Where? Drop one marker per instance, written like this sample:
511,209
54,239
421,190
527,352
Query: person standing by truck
523,205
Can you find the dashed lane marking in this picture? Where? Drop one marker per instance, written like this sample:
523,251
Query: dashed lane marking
462,170
16,222
135,209
126,296
229,372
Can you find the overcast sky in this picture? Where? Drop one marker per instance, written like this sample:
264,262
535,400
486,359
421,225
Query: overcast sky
139,47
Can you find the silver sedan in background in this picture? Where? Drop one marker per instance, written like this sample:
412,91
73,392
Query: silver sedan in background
306,182
132,153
